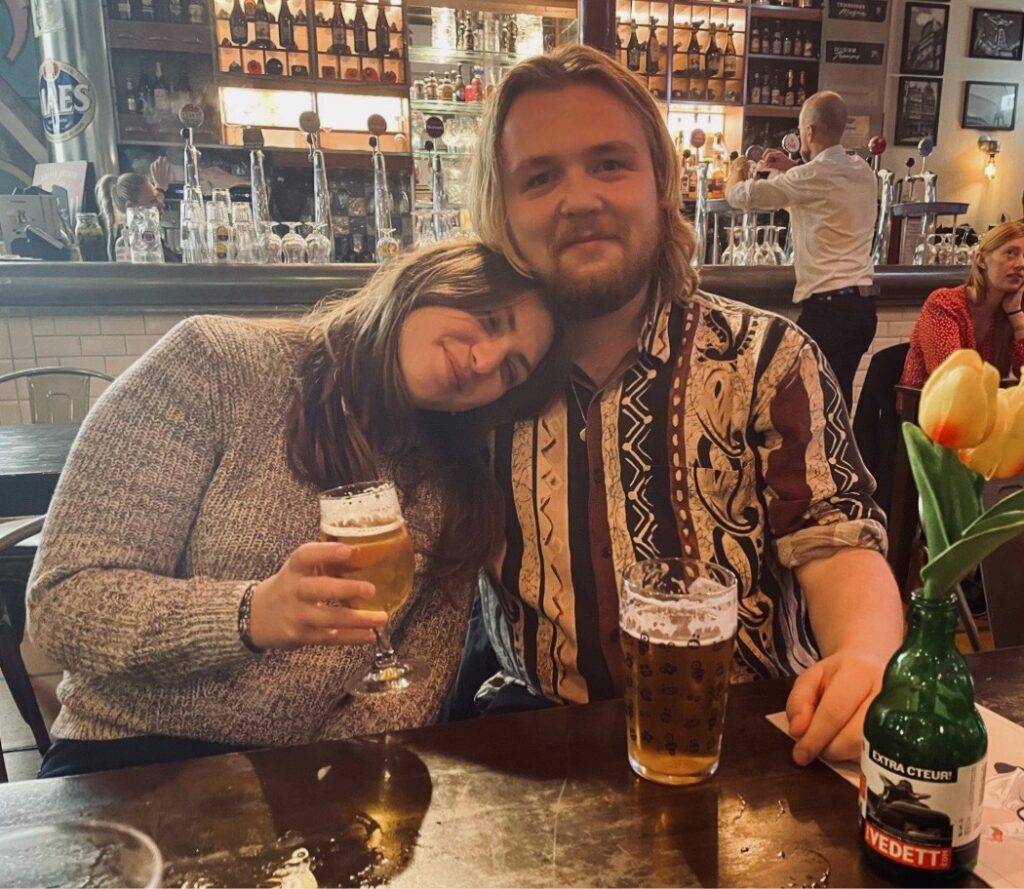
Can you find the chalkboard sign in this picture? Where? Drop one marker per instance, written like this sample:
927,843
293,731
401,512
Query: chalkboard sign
859,10
842,52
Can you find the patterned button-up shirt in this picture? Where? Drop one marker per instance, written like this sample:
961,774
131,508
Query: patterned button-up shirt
725,440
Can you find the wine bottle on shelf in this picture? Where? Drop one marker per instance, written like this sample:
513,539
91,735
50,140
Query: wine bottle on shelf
146,11
431,87
286,28
653,49
787,43
730,62
633,48
713,55
776,88
196,16
239,25
131,100
161,96
755,40
789,97
261,27
801,90
469,34
361,31
755,89
175,13
693,51
383,31
339,32
124,10
777,41
810,50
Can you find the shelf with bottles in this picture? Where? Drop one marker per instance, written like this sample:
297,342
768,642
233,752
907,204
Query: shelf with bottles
175,12
265,38
791,11
780,85
351,48
775,38
426,106
150,90
643,41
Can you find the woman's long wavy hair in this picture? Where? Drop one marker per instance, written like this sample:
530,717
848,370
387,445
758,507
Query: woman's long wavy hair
352,406
977,283
114,194
574,65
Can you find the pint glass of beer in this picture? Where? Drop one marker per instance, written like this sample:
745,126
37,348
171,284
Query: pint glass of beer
677,621
367,517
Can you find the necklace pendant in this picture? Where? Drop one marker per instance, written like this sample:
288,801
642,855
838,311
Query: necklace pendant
583,434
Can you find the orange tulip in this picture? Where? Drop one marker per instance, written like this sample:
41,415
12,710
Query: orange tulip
958,402
1001,455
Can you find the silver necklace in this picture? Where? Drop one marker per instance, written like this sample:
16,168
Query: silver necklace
583,413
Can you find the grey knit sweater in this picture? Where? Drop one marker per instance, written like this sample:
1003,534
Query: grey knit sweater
176,495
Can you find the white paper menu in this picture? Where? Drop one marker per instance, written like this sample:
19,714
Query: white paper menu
1001,858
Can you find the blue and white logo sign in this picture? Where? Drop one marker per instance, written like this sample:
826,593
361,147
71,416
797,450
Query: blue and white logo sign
67,100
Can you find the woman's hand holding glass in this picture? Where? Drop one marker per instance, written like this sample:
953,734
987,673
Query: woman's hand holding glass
309,601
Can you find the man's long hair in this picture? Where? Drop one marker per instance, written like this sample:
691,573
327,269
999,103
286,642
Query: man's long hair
977,282
577,65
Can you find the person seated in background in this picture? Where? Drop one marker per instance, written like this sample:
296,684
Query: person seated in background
115,194
177,581
984,314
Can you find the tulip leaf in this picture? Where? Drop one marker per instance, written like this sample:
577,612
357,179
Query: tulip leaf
950,493
955,562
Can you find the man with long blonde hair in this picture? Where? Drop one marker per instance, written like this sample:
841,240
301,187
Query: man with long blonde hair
692,426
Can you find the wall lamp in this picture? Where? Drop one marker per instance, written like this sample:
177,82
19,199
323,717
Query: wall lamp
990,146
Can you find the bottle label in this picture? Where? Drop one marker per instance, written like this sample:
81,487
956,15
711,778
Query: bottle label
919,817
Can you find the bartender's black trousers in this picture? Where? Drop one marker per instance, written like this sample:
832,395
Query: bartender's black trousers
843,325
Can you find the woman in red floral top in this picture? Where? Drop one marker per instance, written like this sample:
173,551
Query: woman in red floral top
983,314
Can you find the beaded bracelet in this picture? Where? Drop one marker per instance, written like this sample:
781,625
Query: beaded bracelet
245,619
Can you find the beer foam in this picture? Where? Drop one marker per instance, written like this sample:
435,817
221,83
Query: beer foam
666,623
367,526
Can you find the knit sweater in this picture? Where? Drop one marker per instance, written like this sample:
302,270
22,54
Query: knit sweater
176,495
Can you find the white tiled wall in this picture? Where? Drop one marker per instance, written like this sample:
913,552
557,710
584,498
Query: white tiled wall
111,343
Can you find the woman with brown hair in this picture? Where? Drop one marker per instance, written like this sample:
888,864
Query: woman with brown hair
177,582
983,314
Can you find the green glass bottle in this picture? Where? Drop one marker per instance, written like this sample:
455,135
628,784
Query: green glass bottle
923,761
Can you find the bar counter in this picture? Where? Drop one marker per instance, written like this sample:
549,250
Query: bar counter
56,288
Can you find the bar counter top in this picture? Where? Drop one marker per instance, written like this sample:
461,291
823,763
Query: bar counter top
71,287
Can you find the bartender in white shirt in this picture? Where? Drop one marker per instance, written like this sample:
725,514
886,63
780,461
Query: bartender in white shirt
831,199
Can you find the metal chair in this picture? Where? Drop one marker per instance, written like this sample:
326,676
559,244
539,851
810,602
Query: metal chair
1000,575
57,394
14,569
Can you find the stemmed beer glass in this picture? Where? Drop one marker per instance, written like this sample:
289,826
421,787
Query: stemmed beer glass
367,516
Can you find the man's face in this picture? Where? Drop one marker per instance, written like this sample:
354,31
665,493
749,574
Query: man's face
580,194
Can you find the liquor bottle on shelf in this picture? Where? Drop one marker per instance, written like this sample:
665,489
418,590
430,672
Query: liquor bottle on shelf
789,97
653,60
713,55
431,87
146,11
383,31
633,48
513,35
777,41
469,34
145,94
810,50
460,29
261,27
755,89
755,40
360,32
131,101
787,43
175,12
286,28
460,86
730,63
124,10
776,88
446,91
238,25
339,33
801,90
694,55
766,89
196,14
161,96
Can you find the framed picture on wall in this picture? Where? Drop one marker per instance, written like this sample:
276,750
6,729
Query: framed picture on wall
925,26
997,34
989,106
917,110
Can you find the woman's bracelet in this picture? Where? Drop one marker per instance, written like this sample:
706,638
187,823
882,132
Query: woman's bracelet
245,619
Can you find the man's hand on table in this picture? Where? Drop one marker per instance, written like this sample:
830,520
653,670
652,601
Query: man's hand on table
827,705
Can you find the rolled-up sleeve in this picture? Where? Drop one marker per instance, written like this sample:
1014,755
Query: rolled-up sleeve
817,488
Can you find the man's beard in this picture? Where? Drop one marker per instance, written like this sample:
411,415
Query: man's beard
593,295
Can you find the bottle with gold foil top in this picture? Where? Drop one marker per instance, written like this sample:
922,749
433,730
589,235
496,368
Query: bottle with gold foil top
923,760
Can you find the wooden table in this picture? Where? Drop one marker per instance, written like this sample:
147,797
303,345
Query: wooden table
532,799
31,459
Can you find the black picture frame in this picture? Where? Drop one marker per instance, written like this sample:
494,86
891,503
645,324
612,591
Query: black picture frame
918,102
997,34
985,105
925,30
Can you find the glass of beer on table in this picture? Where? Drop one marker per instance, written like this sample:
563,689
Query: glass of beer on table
367,517
677,622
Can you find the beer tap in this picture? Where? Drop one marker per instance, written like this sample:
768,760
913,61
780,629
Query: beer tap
700,213
438,202
192,224
309,123
886,182
252,138
387,245
925,148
